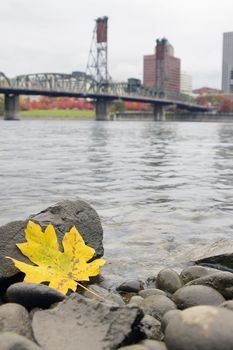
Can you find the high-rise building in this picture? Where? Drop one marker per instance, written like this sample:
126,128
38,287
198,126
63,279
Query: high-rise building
185,83
162,70
149,71
227,63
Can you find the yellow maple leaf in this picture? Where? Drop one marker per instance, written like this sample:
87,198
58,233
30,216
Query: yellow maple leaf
61,269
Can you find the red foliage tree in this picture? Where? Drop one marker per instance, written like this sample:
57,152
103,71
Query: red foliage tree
226,105
56,103
136,106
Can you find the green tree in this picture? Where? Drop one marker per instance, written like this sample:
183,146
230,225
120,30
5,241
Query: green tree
117,107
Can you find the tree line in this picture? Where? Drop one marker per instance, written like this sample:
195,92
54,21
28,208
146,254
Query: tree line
221,103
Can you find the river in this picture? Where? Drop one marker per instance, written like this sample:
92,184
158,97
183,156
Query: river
162,190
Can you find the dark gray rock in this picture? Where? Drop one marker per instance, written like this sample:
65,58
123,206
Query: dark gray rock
11,234
201,328
63,216
196,295
221,261
168,280
32,295
157,306
151,291
154,344
221,281
13,341
86,324
15,318
151,328
211,253
136,300
193,272
227,304
130,286
167,317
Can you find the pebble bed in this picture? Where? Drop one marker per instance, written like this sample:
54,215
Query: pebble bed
192,310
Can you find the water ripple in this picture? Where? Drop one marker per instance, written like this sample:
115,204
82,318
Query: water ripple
161,189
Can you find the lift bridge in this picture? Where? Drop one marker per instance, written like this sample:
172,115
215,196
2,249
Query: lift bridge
95,84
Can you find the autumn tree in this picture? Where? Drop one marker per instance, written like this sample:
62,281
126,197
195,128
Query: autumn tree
46,103
226,106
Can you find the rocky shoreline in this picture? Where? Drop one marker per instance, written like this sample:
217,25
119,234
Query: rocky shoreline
191,310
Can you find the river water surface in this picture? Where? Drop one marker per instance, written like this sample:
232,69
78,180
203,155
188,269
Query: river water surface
162,190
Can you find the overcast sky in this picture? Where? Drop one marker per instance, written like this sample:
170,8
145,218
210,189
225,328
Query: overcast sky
55,35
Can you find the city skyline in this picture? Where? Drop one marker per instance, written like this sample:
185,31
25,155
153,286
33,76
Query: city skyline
56,37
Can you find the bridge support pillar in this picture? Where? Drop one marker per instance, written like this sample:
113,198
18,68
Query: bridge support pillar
101,109
159,113
11,107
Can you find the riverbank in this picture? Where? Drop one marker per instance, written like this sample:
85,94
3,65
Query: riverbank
58,114
166,311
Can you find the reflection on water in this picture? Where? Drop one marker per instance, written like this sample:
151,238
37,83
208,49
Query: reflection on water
161,189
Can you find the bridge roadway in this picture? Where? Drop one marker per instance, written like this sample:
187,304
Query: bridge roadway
65,85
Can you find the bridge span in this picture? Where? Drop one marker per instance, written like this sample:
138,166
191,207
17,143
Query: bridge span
82,86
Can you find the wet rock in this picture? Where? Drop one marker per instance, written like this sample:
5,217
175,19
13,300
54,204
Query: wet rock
13,341
104,293
151,291
63,216
167,317
201,328
94,325
221,281
212,253
32,295
130,286
168,280
154,344
157,306
227,304
193,272
15,318
217,260
151,328
136,300
196,295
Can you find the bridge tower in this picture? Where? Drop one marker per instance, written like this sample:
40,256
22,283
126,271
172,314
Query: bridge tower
97,65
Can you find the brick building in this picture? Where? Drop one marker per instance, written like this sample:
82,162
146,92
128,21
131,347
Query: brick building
162,70
149,71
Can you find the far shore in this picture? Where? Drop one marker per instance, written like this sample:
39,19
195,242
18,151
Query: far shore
73,114
58,113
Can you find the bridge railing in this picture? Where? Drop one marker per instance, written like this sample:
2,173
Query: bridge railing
70,83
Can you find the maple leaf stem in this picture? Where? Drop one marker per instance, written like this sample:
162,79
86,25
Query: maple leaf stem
90,291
